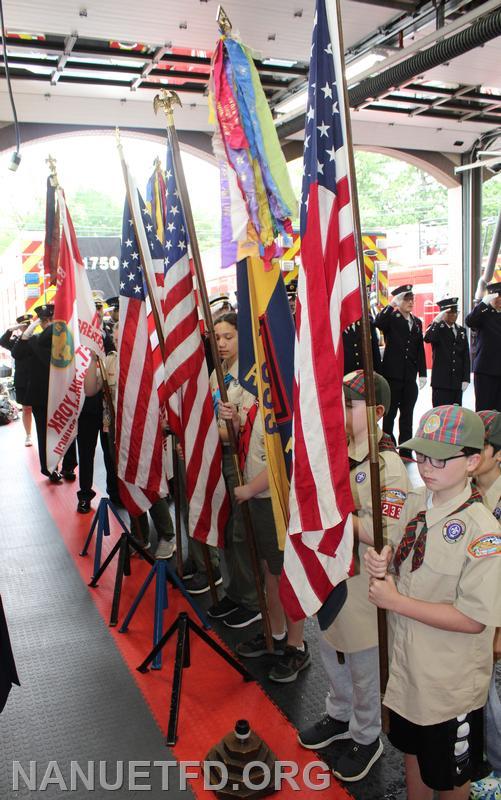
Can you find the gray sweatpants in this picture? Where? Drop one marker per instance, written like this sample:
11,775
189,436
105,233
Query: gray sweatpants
354,694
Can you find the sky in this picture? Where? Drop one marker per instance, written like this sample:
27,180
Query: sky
92,162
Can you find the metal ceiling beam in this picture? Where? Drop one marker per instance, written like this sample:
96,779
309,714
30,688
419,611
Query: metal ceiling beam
443,45
399,5
69,44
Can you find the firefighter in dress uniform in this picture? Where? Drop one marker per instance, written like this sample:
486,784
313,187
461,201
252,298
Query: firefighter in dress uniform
485,320
450,372
38,348
352,348
403,359
22,371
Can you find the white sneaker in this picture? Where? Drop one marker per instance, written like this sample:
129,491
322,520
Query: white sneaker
28,442
166,548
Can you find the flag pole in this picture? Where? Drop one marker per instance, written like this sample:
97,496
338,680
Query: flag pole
54,182
147,277
370,386
166,100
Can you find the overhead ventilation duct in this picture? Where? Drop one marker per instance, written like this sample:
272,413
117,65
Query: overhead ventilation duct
476,35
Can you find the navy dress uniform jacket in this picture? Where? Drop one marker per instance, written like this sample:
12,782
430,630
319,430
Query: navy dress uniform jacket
352,348
486,321
451,356
404,355
38,350
22,368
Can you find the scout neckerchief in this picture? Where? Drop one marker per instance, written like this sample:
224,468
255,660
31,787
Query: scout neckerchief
246,433
409,541
385,445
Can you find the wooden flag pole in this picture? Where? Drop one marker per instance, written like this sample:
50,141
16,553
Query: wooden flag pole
166,100
370,387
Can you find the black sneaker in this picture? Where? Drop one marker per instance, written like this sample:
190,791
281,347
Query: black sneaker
290,664
223,608
84,506
189,569
242,617
69,475
199,583
257,647
323,733
357,761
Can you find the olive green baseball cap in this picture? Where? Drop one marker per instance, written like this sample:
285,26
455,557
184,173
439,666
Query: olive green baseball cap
492,425
445,430
354,388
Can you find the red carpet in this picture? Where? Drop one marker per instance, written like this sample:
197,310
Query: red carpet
214,696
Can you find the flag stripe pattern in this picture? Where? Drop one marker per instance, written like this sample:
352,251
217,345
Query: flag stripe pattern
319,547
190,407
139,436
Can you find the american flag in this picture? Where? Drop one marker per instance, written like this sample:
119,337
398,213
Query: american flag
139,437
190,406
318,549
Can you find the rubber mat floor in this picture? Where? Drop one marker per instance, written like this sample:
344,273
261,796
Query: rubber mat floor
79,705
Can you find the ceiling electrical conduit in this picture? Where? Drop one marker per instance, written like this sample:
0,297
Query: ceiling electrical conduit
450,45
480,32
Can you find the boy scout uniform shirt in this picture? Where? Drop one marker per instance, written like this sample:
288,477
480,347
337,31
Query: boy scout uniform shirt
492,498
436,674
355,627
256,456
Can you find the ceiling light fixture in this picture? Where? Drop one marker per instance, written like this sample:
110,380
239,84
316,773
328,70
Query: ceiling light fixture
294,102
363,64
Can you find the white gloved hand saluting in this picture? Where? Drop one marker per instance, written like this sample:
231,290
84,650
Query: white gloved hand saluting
422,382
465,385
396,301
31,327
439,316
489,299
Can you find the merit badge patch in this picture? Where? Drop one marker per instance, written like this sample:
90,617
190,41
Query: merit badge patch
392,501
453,530
360,477
488,545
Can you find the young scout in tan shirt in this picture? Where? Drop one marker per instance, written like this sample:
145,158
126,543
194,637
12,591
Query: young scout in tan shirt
488,482
289,645
445,603
349,647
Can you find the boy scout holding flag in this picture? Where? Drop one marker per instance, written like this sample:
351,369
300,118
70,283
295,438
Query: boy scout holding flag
353,703
445,603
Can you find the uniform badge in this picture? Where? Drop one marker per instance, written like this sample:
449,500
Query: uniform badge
392,501
397,314
360,477
483,546
497,512
453,530
432,424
